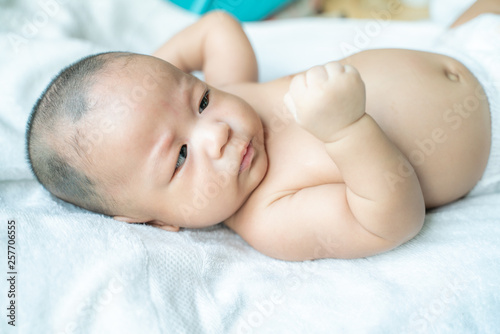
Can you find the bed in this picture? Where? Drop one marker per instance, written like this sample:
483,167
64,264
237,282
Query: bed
79,272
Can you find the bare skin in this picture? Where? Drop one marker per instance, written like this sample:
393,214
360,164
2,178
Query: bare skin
377,138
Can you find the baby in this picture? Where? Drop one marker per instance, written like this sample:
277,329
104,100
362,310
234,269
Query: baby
351,152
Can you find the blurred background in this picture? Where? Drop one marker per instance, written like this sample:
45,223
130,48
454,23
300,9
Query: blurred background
282,9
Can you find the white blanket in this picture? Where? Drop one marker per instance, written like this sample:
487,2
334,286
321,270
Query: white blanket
78,272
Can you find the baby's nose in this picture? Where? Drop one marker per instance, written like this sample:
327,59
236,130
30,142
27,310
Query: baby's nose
216,136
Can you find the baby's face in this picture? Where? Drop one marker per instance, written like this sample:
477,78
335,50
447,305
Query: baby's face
185,154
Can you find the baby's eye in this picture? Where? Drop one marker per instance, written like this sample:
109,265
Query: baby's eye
204,101
182,157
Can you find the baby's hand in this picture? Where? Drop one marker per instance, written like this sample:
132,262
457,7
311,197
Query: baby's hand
326,99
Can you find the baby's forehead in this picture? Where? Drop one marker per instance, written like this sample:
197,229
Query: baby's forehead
142,65
142,83
145,74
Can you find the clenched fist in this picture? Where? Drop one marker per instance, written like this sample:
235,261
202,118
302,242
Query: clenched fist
326,99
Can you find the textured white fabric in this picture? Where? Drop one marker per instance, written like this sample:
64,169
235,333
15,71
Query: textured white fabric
83,273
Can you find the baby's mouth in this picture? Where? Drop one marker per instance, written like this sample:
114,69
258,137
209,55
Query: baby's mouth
246,157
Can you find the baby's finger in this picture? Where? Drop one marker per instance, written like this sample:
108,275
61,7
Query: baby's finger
334,68
290,105
298,85
316,76
349,68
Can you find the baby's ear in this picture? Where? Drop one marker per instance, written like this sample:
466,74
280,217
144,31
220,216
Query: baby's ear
163,226
155,223
127,219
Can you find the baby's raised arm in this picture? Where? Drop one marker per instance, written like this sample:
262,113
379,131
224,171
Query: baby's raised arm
366,214
216,45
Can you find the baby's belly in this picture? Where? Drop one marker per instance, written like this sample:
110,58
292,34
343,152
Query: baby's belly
435,111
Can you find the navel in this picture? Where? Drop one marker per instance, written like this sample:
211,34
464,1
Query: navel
452,76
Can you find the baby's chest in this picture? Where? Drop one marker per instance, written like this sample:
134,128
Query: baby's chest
297,160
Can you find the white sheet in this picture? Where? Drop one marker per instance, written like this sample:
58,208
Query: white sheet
83,273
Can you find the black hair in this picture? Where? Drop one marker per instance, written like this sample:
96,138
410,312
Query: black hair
54,149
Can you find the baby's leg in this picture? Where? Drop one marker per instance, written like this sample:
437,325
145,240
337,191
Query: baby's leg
479,7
